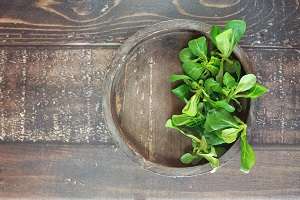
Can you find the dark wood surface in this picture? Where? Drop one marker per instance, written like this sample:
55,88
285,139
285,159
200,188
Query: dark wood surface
55,95
96,171
109,22
53,59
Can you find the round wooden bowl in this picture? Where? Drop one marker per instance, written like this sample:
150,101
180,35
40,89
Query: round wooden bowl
138,99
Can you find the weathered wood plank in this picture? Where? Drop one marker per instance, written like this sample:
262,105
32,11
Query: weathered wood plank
52,95
270,22
277,116
56,95
53,171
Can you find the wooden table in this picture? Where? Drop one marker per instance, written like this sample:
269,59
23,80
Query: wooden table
54,56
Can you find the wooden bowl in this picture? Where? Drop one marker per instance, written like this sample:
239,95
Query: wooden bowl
138,100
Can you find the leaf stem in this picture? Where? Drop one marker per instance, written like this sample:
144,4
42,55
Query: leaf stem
219,76
229,61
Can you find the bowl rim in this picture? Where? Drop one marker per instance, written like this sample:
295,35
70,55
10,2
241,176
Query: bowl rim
108,102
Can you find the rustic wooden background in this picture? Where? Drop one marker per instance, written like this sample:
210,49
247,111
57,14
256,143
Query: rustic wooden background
54,55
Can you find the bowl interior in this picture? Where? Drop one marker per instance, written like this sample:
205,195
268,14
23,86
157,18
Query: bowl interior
143,100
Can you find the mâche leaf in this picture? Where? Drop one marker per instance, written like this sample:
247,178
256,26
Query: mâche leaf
187,158
233,67
186,55
219,119
213,65
229,81
214,61
211,158
169,124
182,92
223,104
198,47
184,119
215,30
194,70
229,135
212,88
248,158
247,82
191,108
179,77
255,92
212,138
238,27
225,42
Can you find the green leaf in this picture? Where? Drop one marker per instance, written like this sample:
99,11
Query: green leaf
238,68
223,104
225,42
184,119
239,120
233,66
186,55
212,138
213,65
238,27
214,31
211,158
215,61
219,119
194,70
257,91
194,144
169,124
182,92
191,108
226,91
248,157
187,158
203,144
178,77
180,120
213,161
247,82
212,85
229,81
219,76
230,135
194,85
198,47
212,69
205,74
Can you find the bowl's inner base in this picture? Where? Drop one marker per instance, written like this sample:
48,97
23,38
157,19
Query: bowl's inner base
144,102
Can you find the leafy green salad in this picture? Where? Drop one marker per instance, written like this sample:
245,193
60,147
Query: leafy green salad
212,86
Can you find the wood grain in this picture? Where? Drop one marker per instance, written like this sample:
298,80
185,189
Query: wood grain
52,95
110,22
99,171
55,95
145,86
277,117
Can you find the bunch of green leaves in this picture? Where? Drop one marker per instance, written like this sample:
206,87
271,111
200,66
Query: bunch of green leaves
212,87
